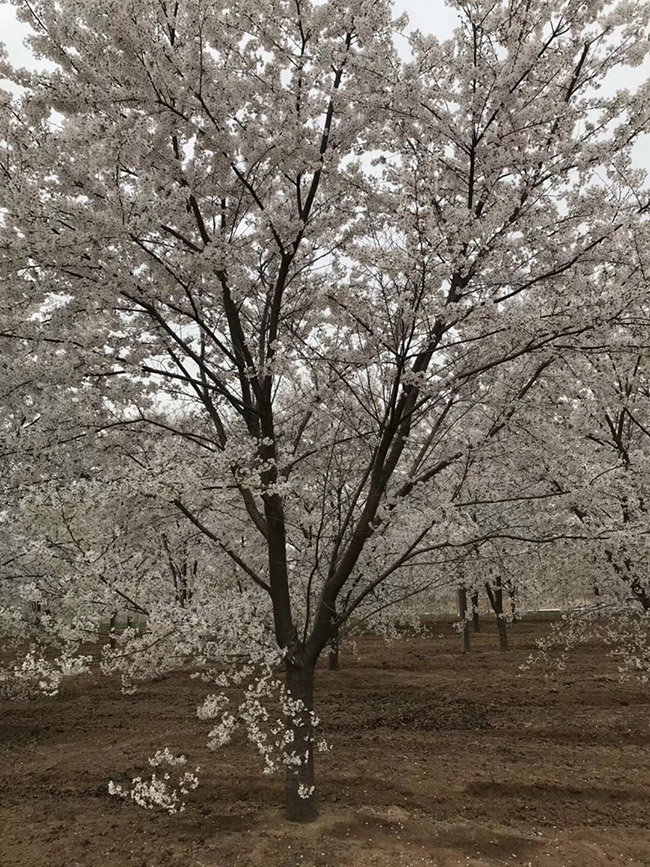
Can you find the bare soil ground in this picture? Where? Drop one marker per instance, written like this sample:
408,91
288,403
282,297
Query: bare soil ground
438,759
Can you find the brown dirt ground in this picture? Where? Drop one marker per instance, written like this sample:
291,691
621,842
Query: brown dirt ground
438,759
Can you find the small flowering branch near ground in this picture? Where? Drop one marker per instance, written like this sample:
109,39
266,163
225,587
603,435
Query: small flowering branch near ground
622,628
160,790
34,675
271,733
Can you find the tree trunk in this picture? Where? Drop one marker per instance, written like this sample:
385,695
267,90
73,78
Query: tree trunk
495,595
300,791
464,622
476,622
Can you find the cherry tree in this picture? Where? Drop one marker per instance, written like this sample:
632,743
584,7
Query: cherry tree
348,270
609,428
611,419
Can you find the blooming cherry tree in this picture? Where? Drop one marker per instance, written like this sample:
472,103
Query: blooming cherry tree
332,275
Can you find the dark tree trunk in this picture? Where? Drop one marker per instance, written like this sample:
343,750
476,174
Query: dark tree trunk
464,622
503,633
476,622
300,776
495,595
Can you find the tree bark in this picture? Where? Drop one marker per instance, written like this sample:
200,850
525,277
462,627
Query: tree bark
301,803
495,595
464,622
476,622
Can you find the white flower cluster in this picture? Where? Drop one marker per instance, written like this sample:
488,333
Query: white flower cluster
34,675
222,733
271,733
305,791
211,707
158,790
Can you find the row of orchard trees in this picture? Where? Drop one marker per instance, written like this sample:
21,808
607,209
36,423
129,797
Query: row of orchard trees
296,330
